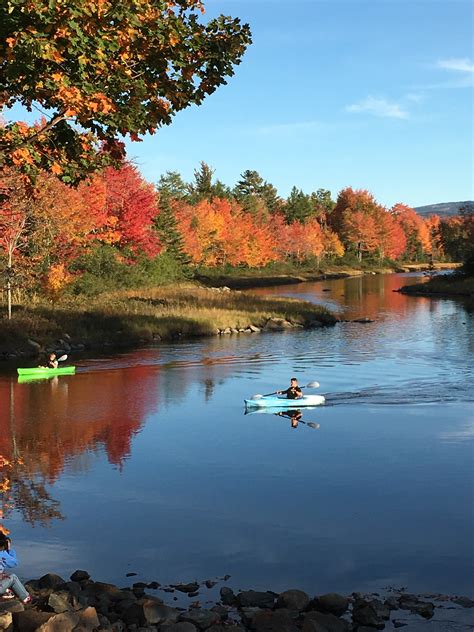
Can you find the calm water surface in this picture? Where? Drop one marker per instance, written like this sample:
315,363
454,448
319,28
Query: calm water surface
145,462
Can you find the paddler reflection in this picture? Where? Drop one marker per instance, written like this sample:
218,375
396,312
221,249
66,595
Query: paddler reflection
296,417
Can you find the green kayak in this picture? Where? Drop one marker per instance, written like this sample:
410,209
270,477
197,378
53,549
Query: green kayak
45,372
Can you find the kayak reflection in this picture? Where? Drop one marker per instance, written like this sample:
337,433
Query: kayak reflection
295,416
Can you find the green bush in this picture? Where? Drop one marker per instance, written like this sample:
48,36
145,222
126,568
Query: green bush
104,269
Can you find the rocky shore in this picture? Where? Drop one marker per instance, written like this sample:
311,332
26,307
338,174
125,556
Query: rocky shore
84,605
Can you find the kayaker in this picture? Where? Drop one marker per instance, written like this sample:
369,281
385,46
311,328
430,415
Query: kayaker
10,585
52,362
294,391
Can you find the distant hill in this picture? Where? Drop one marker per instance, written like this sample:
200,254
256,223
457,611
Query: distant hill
446,209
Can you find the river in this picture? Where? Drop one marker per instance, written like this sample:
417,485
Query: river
145,462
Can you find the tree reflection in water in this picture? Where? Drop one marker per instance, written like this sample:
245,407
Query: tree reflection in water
45,426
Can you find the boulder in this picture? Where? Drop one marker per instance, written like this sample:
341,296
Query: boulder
50,580
30,620
227,596
255,598
277,324
6,619
64,622
274,621
332,603
150,612
200,617
367,613
254,329
293,600
79,576
182,626
88,619
321,622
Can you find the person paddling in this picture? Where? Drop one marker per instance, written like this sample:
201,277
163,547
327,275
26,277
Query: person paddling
52,362
294,391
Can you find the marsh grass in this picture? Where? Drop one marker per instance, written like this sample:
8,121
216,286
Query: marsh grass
133,316
455,284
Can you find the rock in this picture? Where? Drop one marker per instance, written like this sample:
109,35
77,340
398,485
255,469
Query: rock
227,330
255,598
321,622
293,600
362,320
182,626
277,324
423,608
234,330
6,620
79,576
30,620
465,602
209,583
248,614
365,613
332,603
50,580
12,605
88,619
186,588
150,612
221,611
201,618
254,329
64,622
227,596
60,602
153,585
227,628
399,624
274,621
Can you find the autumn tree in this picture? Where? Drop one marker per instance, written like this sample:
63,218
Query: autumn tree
13,217
354,220
416,231
102,70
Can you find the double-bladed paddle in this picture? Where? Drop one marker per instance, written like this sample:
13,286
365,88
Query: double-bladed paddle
310,385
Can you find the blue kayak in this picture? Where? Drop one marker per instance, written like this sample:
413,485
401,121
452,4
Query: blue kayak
280,401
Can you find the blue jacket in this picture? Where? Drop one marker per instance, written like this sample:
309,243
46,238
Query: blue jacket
8,559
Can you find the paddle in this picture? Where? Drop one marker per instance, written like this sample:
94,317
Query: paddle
62,358
310,385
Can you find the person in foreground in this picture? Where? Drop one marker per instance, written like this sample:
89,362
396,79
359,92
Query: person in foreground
294,391
10,585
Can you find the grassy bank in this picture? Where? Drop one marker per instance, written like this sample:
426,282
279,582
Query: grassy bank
286,273
455,285
127,318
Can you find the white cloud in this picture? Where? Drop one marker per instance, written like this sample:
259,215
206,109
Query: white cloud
458,64
378,107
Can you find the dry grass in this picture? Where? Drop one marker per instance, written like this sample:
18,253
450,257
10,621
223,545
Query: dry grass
136,316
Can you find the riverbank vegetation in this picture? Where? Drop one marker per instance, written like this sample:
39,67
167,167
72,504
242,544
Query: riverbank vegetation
130,317
118,231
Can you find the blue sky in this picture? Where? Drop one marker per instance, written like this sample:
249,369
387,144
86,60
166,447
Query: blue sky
374,94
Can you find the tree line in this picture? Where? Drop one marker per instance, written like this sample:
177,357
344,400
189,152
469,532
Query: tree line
118,229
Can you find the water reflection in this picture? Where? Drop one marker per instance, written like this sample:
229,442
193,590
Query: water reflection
293,414
155,442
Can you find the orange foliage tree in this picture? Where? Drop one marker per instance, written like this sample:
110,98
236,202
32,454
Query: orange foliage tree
416,231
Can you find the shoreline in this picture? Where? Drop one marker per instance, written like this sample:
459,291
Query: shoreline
270,280
439,287
87,605
132,319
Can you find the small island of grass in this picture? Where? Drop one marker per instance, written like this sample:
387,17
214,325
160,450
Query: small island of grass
135,317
